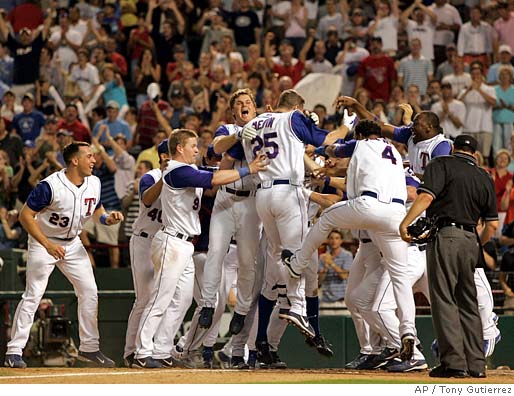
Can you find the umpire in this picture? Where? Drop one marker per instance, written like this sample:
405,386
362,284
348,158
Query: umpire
456,192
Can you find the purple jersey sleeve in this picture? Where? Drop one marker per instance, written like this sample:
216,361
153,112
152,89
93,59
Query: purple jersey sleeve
187,176
306,131
221,131
443,148
237,151
345,150
145,183
402,134
40,197
411,182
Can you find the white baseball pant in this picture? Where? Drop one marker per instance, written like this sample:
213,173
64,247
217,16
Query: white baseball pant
77,268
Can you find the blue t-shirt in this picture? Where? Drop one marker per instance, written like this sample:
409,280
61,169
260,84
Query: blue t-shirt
115,128
28,126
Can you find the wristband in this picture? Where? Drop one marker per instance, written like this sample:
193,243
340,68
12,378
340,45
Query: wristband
103,219
243,172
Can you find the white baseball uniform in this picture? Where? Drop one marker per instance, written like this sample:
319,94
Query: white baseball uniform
377,193
62,209
280,201
172,250
145,227
233,215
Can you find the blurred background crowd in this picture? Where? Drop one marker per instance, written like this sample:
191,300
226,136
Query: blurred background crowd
79,70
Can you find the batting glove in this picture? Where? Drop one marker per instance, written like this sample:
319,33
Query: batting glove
247,133
314,118
349,121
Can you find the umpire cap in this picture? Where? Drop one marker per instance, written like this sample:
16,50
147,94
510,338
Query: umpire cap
465,142
162,148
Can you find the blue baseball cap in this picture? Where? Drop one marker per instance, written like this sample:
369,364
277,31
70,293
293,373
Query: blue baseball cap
162,148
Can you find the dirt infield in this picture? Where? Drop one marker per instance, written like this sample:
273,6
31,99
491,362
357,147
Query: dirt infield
187,376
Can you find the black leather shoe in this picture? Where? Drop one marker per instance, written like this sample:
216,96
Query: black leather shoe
442,372
236,324
477,374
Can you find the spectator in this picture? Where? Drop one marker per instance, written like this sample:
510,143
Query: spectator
175,69
139,41
414,98
432,95
86,77
333,18
119,61
503,114
245,24
479,99
9,106
362,96
446,68
166,43
415,68
506,279
151,154
26,52
334,269
147,123
26,171
147,71
131,120
394,113
11,144
502,184
105,169
459,79
376,72
350,58
504,61
451,112
334,45
385,25
448,24
286,64
179,108
65,41
10,230
51,69
223,52
476,39
29,122
114,125
6,65
115,89
45,102
504,25
420,26
214,33
70,122
357,28
318,64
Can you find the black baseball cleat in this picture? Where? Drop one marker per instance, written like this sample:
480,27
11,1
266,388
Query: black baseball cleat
321,345
286,260
205,319
300,322
408,343
166,362
128,360
361,357
97,358
14,361
236,324
263,352
374,362
238,363
147,362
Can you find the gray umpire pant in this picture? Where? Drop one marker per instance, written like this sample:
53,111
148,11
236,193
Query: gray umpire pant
451,261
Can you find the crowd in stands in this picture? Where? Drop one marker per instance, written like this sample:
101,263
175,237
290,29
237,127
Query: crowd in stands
79,70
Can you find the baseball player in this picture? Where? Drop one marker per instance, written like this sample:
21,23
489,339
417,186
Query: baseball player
145,226
172,247
377,194
282,135
54,215
233,214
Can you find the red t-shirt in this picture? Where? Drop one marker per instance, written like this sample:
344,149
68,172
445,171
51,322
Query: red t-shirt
147,124
120,62
378,73
137,50
80,131
293,71
499,185
25,15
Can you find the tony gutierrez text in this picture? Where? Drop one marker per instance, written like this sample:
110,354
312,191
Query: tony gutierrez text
463,390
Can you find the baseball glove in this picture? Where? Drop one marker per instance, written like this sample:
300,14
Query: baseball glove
422,230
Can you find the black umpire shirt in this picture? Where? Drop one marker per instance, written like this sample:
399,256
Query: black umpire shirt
463,192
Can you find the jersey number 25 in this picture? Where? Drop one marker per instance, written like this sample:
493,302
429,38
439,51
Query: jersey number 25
271,147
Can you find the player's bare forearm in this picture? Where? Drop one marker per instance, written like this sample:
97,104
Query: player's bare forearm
152,193
227,162
112,218
223,143
488,231
339,133
324,200
310,164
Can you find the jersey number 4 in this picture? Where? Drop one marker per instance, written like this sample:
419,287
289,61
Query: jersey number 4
388,154
271,147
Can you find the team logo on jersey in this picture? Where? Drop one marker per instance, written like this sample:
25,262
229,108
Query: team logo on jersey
90,203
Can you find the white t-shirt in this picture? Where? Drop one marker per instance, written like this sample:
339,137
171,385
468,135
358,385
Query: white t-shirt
448,15
387,30
479,113
424,32
351,58
458,83
64,52
458,109
87,79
